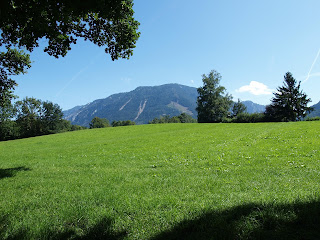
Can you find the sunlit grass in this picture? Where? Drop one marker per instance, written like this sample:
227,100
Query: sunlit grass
151,181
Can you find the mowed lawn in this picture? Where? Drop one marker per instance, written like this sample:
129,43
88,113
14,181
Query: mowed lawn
170,181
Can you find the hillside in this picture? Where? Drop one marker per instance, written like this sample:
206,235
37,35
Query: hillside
165,181
143,104
140,105
254,107
316,111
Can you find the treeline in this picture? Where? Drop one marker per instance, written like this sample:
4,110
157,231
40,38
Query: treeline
214,105
182,118
97,122
32,117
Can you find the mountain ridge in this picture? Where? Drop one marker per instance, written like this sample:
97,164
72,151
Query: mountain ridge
144,104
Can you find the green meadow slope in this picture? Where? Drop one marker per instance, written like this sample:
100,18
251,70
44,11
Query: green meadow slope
172,181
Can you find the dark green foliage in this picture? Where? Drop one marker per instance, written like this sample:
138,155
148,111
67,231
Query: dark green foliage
97,122
33,117
238,108
75,127
182,118
313,119
51,117
107,23
28,117
185,118
162,119
23,23
213,103
9,129
248,118
289,102
122,123
12,62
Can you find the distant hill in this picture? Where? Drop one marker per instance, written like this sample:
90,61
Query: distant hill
143,104
316,111
254,107
140,105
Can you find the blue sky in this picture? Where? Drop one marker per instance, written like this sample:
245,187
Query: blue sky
252,44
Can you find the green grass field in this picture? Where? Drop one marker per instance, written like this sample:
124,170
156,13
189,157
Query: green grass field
172,181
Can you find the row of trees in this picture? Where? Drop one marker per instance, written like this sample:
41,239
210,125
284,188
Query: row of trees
32,117
182,118
215,105
97,122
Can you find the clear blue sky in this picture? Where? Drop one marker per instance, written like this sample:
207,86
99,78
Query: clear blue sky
251,43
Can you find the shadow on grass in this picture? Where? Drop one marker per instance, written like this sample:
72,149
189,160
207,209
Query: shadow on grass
11,172
252,221
101,230
300,220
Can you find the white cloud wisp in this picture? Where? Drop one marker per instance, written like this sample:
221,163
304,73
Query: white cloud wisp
255,88
311,68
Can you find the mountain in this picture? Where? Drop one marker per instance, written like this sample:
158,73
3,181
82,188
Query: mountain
143,104
254,107
140,105
316,111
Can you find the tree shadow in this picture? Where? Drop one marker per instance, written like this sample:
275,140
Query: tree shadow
11,172
101,230
20,234
299,220
252,221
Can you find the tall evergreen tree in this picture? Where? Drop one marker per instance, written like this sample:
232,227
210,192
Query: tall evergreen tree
289,102
213,103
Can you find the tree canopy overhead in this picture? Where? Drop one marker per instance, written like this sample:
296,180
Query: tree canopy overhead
107,23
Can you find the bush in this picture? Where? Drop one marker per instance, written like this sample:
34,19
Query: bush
182,118
227,120
249,118
312,119
9,130
97,122
122,123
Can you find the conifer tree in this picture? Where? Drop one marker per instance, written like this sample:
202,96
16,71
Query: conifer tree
289,102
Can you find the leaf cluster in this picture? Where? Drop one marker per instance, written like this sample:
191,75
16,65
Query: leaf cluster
107,23
12,62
